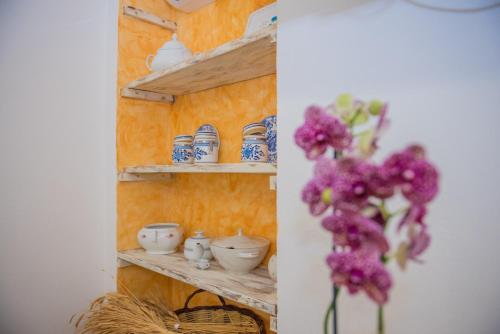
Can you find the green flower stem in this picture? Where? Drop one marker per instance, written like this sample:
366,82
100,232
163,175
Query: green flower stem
329,311
353,119
380,327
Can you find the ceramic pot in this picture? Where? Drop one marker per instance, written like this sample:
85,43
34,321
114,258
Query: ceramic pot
254,149
160,238
239,254
271,132
197,247
170,54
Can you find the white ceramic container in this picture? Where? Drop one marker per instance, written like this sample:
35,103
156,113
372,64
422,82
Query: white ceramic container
239,254
261,18
197,247
160,238
254,149
170,54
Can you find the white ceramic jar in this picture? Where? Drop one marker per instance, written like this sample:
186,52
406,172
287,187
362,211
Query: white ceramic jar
239,254
197,247
160,238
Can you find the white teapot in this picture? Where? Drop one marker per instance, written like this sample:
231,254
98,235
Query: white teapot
170,54
197,247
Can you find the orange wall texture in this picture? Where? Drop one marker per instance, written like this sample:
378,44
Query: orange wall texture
217,203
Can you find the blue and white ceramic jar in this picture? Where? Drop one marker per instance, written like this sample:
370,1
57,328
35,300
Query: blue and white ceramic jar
182,153
183,150
271,132
206,149
254,149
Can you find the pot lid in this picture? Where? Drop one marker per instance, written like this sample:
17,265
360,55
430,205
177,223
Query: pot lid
173,44
240,241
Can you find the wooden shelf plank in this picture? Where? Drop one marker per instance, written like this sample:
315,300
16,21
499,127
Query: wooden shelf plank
243,59
150,18
243,168
255,289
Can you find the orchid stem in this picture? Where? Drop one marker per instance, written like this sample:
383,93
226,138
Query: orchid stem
381,327
332,308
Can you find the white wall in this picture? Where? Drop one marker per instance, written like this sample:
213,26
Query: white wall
57,170
441,74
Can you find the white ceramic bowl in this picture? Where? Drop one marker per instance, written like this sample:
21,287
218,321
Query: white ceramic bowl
160,238
239,254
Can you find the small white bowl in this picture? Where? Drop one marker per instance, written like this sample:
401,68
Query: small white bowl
160,238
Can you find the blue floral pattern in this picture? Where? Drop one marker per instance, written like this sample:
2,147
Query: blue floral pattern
199,153
252,152
180,154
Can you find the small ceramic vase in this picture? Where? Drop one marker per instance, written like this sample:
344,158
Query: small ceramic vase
271,132
254,149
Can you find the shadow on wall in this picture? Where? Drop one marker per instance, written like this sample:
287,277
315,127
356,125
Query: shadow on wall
320,7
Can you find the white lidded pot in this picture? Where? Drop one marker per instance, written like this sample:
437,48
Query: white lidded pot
170,54
160,238
240,253
197,247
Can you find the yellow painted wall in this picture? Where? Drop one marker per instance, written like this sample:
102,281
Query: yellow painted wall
216,203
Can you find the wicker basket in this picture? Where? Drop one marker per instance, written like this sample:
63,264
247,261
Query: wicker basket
221,314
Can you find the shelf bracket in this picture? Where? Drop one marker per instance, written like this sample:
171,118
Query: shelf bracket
273,324
138,94
150,18
133,177
272,182
122,263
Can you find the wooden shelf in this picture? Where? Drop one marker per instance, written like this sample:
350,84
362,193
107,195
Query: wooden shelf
144,173
255,289
243,59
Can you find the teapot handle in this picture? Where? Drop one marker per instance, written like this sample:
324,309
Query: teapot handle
148,61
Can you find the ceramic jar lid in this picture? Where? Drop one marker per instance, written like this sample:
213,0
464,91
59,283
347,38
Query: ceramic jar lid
240,241
254,137
254,128
183,139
